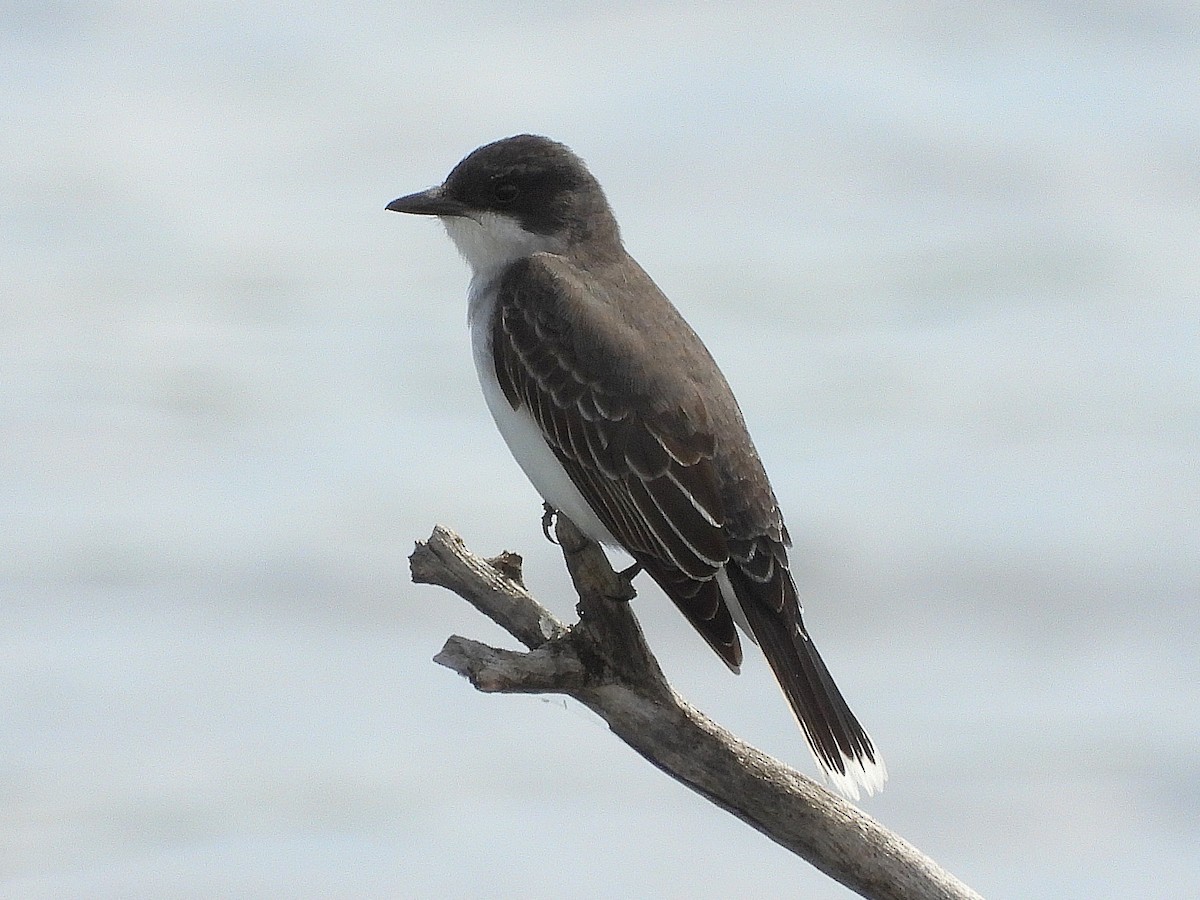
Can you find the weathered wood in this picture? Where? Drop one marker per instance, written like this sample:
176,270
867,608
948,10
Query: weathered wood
603,661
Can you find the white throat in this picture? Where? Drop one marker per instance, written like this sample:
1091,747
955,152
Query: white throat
490,241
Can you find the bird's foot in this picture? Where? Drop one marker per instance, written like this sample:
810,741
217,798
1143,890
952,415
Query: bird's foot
548,514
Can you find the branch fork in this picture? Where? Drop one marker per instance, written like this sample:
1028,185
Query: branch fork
603,662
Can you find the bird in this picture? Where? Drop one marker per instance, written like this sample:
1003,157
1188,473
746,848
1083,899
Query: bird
617,413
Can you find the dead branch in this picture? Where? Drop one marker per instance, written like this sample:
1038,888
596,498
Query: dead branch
604,663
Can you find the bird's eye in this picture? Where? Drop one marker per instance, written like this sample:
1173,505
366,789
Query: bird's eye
505,192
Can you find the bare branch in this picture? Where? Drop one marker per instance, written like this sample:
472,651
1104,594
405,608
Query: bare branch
494,671
603,661
493,588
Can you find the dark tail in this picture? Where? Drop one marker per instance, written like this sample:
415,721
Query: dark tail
841,746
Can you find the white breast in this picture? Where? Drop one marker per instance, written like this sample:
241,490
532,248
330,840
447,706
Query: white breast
519,430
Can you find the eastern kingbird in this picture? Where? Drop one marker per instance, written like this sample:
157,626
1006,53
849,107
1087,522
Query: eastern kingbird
621,419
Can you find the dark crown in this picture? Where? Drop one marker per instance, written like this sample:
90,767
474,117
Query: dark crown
538,182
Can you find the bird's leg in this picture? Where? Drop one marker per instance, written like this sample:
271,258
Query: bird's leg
587,560
548,514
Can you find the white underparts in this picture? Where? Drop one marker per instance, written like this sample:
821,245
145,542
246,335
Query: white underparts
489,246
527,443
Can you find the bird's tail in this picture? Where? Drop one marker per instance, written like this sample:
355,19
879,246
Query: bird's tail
840,745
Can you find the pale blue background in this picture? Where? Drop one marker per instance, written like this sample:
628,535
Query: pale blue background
949,257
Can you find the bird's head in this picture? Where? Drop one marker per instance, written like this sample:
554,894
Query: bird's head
518,196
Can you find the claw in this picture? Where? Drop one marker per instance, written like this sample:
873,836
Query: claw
548,514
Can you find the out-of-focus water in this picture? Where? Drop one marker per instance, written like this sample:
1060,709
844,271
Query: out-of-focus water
948,259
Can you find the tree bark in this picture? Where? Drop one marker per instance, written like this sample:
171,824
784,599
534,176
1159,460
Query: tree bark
604,663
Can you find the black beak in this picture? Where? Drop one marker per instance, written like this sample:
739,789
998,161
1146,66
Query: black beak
428,203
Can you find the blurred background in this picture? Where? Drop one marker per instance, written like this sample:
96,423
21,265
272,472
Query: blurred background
948,258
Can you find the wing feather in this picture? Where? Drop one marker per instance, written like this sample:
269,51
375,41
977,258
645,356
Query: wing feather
639,442
640,455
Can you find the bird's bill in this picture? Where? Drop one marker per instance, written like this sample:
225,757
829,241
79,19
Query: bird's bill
428,203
